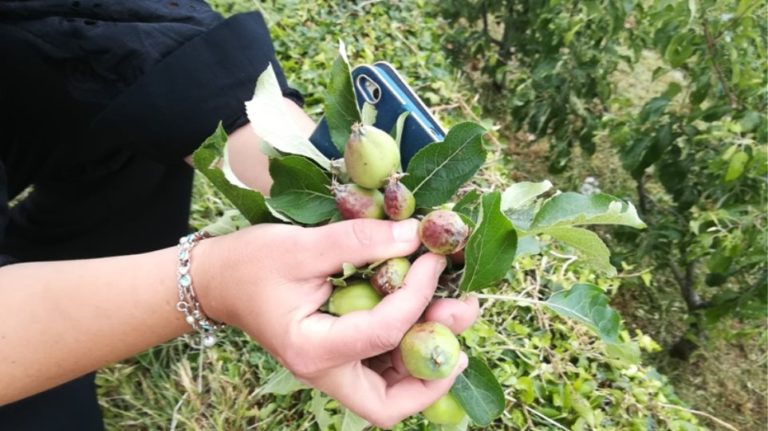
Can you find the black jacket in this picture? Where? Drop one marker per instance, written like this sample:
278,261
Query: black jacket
99,103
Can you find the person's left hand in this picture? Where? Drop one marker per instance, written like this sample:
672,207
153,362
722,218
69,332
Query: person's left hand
271,281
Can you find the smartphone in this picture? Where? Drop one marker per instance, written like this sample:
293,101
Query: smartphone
382,86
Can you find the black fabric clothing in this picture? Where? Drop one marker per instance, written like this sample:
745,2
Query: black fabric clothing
99,103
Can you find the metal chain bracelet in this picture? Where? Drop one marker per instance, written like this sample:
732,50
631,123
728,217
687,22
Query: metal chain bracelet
188,303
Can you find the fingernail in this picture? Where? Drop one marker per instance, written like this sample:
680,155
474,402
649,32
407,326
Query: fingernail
405,231
464,361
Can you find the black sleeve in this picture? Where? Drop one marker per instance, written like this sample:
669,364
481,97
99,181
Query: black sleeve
4,259
169,111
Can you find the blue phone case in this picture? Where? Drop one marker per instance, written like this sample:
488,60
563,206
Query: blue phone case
381,85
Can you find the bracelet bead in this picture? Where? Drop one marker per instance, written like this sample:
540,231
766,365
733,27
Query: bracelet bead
188,303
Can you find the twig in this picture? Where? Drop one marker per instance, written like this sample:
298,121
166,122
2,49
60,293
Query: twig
543,416
720,76
365,3
700,413
569,261
175,414
484,13
441,108
200,362
512,298
692,299
641,197
467,110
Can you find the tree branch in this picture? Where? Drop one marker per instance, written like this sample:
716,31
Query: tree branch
484,13
685,281
641,197
712,51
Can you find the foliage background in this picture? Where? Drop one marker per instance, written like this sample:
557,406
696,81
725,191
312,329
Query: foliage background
556,375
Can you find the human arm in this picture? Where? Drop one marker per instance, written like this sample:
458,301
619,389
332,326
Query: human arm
63,319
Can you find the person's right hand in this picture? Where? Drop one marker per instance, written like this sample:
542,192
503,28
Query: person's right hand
271,280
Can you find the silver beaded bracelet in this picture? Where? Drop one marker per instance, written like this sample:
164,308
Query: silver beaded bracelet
188,303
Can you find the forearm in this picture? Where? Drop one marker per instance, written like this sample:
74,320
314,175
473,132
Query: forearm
60,320
248,162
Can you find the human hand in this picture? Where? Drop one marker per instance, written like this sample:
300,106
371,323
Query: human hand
270,281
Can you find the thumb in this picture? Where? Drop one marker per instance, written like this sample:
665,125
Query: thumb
359,241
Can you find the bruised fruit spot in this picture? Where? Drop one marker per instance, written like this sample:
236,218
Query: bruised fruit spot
371,156
443,232
353,201
390,276
358,295
445,411
430,351
399,202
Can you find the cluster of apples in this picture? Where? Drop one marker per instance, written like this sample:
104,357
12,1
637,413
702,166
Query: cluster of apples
429,350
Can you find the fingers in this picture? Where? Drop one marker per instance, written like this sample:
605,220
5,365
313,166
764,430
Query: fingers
358,242
364,334
368,394
457,314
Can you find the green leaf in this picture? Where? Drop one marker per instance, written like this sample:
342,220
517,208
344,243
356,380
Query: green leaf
340,104
588,245
653,109
750,121
211,160
570,209
527,245
230,221
272,122
646,150
736,166
714,113
679,50
700,90
521,194
479,393
301,190
673,89
526,391
491,247
352,422
587,304
469,205
693,7
632,156
521,218
281,382
582,407
322,417
369,114
627,352
398,130
744,5
437,171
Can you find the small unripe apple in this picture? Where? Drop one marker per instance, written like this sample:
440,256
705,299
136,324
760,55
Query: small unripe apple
355,296
443,232
371,156
354,201
445,411
399,202
430,351
390,275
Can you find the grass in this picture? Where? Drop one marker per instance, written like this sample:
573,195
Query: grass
237,385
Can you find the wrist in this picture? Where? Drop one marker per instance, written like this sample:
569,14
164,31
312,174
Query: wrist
205,275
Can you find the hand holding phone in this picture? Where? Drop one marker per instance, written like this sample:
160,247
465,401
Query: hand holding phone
384,88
